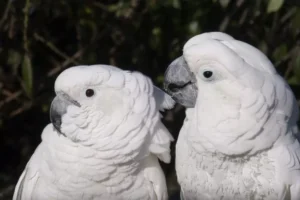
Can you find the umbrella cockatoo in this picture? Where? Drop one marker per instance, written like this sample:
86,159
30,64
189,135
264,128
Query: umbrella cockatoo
238,141
104,141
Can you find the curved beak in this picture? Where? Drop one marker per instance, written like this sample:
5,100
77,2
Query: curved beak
180,83
59,107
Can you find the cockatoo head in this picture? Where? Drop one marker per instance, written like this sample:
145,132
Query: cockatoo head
235,91
90,100
208,61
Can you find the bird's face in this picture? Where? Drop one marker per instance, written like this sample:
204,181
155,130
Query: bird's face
191,77
86,97
181,76
213,60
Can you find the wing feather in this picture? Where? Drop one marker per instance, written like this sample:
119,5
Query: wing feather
29,178
19,187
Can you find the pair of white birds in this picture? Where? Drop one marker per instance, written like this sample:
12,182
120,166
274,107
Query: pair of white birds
238,141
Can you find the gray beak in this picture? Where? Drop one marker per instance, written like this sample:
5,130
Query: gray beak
59,107
180,83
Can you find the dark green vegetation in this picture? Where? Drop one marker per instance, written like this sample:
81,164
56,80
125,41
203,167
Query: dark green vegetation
39,38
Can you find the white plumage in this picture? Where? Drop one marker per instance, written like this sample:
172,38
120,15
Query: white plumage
239,140
107,144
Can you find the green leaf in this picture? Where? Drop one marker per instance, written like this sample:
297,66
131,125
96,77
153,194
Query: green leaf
293,80
156,31
274,5
263,47
88,10
280,52
296,63
160,79
176,4
224,3
27,75
193,27
14,60
45,108
296,21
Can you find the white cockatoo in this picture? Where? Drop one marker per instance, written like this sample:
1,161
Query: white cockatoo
104,141
239,138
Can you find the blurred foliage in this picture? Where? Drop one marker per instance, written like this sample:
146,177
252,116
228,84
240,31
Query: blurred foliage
38,39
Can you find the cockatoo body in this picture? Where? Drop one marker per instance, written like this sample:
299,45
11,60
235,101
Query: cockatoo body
239,138
104,141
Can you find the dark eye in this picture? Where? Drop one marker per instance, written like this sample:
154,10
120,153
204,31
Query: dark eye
89,92
207,74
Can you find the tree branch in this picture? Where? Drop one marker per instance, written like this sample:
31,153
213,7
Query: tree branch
5,14
51,46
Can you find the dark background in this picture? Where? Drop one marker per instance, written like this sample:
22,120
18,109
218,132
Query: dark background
40,38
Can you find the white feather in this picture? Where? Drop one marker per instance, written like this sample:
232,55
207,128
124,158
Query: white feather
112,141
239,141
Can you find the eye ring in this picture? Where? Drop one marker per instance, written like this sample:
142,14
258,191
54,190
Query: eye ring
207,74
89,92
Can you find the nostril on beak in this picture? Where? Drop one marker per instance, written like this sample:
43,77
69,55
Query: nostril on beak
173,87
